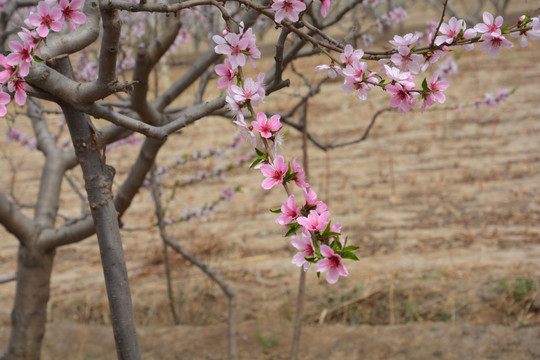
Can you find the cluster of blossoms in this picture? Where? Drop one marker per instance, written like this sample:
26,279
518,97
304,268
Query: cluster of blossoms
312,234
50,15
291,9
489,100
400,68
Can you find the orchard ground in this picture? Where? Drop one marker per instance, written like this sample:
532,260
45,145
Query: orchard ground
445,206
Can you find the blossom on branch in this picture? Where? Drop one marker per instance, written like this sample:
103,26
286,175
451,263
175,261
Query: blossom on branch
48,17
490,26
289,212
492,44
266,127
305,248
332,263
290,9
72,12
274,172
315,221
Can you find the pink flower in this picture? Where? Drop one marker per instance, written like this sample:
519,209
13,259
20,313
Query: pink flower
357,78
490,26
8,71
47,18
252,91
274,172
533,34
492,44
289,212
397,75
226,72
30,37
349,54
331,263
266,126
21,56
72,12
299,179
402,98
288,9
405,41
450,31
238,47
332,70
398,15
431,58
406,61
314,221
325,5
4,100
435,94
17,85
305,249
310,197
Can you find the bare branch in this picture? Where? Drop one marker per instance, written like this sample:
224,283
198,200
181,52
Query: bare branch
7,278
72,92
145,62
15,222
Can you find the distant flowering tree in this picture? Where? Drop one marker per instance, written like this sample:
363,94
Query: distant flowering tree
37,65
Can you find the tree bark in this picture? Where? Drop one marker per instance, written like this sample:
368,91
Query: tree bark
29,314
98,183
98,178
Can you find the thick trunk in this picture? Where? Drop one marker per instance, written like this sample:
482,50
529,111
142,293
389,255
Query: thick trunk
29,314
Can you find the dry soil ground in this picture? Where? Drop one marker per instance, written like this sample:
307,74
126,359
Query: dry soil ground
445,206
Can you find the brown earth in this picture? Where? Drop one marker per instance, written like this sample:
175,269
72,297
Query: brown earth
445,206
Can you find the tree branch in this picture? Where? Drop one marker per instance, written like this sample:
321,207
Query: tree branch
15,222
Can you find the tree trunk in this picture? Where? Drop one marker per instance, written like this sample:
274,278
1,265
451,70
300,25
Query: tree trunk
29,314
98,178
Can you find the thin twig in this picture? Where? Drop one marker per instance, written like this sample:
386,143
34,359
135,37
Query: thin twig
440,23
159,215
7,278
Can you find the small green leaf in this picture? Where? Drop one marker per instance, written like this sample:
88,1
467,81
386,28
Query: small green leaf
37,58
351,248
259,152
350,255
255,163
293,228
276,211
424,85
318,275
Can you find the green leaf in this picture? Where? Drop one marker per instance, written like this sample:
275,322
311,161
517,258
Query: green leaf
37,58
293,228
350,255
289,177
255,163
276,211
318,275
424,85
259,152
351,248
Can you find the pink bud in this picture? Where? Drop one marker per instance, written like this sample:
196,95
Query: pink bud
224,32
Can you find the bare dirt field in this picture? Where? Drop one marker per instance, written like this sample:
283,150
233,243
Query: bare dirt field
445,206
